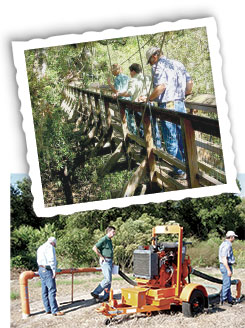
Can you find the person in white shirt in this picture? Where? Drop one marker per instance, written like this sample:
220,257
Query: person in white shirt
138,87
46,260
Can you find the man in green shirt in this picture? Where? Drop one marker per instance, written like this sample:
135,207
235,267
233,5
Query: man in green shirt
104,249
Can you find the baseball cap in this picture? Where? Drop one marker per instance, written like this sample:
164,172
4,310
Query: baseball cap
52,240
231,234
150,52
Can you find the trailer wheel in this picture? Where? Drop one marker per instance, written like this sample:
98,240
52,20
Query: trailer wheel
195,305
107,322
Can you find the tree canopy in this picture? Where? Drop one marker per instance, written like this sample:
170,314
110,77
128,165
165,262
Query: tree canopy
202,218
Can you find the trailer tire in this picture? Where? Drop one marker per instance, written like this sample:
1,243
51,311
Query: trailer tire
107,322
195,305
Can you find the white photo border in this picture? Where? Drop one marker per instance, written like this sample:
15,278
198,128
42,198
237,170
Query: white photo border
19,48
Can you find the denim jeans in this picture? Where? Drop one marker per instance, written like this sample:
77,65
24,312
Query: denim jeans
172,135
226,286
48,290
131,121
138,117
156,133
105,285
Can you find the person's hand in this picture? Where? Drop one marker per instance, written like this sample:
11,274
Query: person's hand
102,259
115,95
54,275
229,273
142,99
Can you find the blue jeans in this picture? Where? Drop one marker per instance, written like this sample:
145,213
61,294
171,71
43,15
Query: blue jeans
156,133
226,286
172,135
105,285
130,121
48,290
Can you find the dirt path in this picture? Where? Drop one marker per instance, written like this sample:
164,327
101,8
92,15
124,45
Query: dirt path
81,313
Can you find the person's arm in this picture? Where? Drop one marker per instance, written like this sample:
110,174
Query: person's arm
130,90
225,262
158,90
189,86
123,94
96,250
111,85
51,258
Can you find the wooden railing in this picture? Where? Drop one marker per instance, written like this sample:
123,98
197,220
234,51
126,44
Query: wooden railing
100,110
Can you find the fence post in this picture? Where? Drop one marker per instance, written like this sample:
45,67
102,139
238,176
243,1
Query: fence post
149,145
190,149
108,113
124,121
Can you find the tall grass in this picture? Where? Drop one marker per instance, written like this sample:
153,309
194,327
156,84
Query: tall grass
205,253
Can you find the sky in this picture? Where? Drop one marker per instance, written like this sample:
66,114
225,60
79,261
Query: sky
14,178
241,179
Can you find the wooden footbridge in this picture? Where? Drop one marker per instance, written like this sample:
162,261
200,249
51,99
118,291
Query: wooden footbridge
103,120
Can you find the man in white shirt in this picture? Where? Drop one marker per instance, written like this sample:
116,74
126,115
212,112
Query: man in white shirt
138,87
227,259
46,260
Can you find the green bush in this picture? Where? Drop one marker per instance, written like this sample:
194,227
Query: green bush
74,248
25,241
206,253
239,253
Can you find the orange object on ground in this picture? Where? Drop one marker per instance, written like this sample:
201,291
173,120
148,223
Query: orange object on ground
25,276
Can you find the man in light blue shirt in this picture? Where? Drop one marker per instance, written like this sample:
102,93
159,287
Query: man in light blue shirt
120,86
171,83
47,265
226,260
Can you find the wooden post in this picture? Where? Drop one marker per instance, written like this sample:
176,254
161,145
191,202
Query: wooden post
134,181
72,274
108,113
149,144
97,106
90,106
188,135
124,121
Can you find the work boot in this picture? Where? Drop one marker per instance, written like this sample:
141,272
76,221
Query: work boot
58,314
226,303
177,176
94,295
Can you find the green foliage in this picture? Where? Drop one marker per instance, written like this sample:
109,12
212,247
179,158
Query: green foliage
219,213
239,253
21,204
206,253
205,221
75,248
130,235
14,296
24,243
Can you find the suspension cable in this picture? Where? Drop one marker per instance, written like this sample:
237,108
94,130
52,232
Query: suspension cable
147,103
138,50
118,107
148,92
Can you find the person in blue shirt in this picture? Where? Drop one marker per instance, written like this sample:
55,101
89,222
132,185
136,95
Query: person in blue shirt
226,260
120,86
171,83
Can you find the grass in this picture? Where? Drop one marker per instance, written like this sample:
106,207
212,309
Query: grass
205,253
14,295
